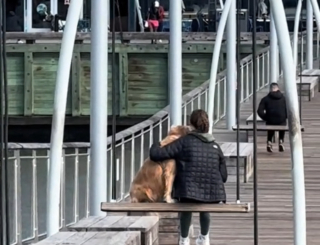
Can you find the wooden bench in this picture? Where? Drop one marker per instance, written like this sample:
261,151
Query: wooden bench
91,238
311,73
250,120
229,150
260,121
308,85
147,226
262,128
169,217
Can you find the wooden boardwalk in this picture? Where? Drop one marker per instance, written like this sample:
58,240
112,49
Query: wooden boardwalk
275,191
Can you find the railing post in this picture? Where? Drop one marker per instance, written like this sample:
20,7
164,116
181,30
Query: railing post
231,67
299,204
99,105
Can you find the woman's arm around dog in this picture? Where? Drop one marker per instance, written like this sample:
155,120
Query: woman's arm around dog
170,151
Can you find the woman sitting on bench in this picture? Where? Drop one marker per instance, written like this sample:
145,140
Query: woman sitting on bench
201,172
273,110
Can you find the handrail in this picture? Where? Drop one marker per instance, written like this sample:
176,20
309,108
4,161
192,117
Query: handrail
128,36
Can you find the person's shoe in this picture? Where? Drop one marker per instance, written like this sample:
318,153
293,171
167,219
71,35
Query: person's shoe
184,241
269,147
281,146
203,240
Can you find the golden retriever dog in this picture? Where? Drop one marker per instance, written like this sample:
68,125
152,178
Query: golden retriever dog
153,182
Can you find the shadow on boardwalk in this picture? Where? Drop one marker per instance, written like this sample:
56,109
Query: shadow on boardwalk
275,191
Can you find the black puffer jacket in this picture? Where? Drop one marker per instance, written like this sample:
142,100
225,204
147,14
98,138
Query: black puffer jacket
272,109
201,167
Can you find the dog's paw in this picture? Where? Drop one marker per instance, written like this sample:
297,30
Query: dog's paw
170,200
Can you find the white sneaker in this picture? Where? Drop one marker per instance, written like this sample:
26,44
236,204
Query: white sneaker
184,241
203,240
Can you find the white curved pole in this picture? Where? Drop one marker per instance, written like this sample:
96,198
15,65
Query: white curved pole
309,24
215,61
231,66
221,4
59,111
274,53
299,203
295,32
316,12
98,105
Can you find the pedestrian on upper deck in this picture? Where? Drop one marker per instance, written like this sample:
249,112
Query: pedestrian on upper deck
273,110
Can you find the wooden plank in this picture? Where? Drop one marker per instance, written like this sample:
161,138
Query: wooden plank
123,80
57,238
147,225
263,128
250,118
310,72
119,238
75,84
127,36
16,83
174,207
230,150
28,84
86,222
306,80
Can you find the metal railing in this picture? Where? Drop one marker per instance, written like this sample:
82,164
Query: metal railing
28,163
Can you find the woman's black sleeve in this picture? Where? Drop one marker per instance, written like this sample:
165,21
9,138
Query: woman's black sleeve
223,166
171,151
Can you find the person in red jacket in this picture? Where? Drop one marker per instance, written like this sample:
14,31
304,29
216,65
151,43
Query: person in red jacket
155,16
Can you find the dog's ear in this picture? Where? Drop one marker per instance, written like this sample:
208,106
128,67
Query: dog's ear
173,127
172,130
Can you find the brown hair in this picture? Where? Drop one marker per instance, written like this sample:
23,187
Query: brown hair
200,121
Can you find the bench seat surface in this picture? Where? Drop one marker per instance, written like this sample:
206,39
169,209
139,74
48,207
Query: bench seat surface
175,207
310,72
229,149
89,238
263,127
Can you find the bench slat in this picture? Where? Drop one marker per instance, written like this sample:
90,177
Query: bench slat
175,207
310,72
250,118
306,80
263,127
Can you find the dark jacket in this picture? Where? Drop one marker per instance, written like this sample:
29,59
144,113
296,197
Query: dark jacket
201,167
154,14
272,109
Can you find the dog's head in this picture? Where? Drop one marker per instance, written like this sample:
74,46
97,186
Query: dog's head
175,133
179,130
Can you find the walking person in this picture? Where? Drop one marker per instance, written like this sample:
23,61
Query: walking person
273,110
201,173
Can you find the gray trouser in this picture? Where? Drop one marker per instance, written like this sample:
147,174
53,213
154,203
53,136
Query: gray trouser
185,222
186,217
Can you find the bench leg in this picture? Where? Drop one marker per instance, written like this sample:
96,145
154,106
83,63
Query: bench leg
245,170
309,92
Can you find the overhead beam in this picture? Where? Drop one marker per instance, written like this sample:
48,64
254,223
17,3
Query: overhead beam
131,36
